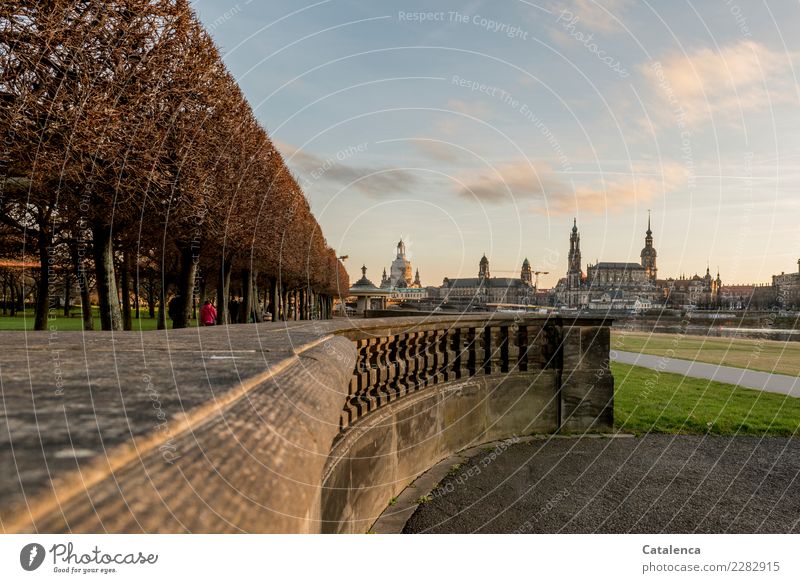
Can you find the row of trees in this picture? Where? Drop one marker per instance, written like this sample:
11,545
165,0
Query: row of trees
129,154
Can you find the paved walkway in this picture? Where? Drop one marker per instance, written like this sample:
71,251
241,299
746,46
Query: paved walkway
653,484
751,379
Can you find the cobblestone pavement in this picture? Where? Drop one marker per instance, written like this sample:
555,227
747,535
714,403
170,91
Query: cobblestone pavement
658,483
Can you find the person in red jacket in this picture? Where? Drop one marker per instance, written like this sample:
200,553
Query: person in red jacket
208,314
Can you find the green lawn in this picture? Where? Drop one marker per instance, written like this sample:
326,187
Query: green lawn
648,401
764,355
24,321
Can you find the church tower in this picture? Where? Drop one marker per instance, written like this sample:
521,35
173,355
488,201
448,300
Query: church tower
526,275
400,273
649,254
574,273
417,282
483,268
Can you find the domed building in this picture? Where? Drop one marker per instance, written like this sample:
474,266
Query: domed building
368,296
400,272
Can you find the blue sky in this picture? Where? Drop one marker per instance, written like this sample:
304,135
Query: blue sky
472,127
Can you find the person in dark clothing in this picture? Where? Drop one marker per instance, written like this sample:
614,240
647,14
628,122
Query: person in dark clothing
233,310
173,308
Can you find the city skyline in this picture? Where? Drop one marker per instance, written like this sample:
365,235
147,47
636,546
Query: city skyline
485,128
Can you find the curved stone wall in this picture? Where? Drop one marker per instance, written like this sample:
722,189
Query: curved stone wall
420,394
282,427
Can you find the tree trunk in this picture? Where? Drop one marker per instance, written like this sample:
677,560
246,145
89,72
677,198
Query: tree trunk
258,310
110,315
43,287
246,309
136,283
67,293
186,280
162,306
223,292
273,299
151,296
125,278
13,293
83,290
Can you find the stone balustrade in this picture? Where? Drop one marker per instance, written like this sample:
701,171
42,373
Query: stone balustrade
280,427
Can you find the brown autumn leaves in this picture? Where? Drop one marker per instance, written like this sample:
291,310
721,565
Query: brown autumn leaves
129,152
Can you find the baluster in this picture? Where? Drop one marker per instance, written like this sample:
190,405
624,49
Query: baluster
365,398
522,339
401,378
419,361
513,347
483,341
358,383
391,367
471,350
534,342
411,359
426,358
500,353
450,356
379,387
439,356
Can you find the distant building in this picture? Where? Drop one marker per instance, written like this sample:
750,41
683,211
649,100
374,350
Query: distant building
696,291
787,288
618,285
400,272
399,283
368,296
485,289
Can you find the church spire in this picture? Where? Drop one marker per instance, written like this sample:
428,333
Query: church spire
574,271
649,254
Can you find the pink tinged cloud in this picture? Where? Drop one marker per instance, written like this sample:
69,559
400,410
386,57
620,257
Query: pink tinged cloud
710,83
537,187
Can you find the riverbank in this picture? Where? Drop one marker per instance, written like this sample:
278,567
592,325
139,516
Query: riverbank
772,356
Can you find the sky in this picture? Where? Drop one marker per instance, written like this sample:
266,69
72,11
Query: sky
485,127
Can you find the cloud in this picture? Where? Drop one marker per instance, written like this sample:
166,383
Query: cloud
474,108
553,193
437,150
450,126
599,16
709,83
369,180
